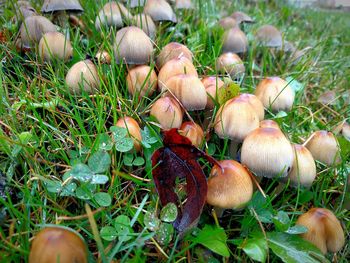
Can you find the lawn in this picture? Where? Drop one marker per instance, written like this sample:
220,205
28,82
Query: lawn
64,161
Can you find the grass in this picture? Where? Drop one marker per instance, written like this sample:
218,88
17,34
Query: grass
45,131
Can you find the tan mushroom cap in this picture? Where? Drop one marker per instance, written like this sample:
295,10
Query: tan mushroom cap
61,5
193,132
188,89
134,130
135,3
183,4
159,10
242,17
255,103
142,80
168,112
235,41
53,244
230,63
269,36
324,147
212,84
132,46
146,23
276,93
267,153
173,50
103,57
236,119
228,22
324,229
269,124
54,45
229,186
112,14
346,130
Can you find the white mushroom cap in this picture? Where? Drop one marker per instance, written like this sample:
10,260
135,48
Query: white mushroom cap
61,5
146,23
112,14
159,10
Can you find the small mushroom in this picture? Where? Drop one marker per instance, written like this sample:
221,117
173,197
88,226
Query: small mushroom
146,23
54,45
188,89
83,76
193,132
269,124
168,113
267,152
275,93
159,10
269,36
171,51
303,171
141,80
58,244
345,131
230,63
324,229
235,41
103,57
112,14
134,130
228,22
255,103
324,147
211,85
132,46
241,17
23,10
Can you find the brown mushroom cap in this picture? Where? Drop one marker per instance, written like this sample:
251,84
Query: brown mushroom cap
54,45
269,36
324,229
241,17
267,152
211,85
146,23
112,14
58,244
168,112
269,124
142,80
103,57
324,147
230,63
188,89
132,46
235,41
173,50
255,103
159,10
229,186
61,5
134,130
276,93
193,132
228,22
236,119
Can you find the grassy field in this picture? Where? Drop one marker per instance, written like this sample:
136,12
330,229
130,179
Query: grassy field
45,131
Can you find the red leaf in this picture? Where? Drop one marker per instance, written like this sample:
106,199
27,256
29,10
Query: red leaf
178,158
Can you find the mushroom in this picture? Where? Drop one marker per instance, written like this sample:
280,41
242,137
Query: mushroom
159,10
58,244
168,113
228,22
32,30
255,103
241,17
83,76
303,171
132,46
275,93
269,36
174,67
324,229
171,51
324,147
229,186
188,89
211,85
141,80
346,131
134,130
193,132
269,124
267,152
135,3
183,4
23,10
235,41
103,57
112,14
146,23
230,63
54,45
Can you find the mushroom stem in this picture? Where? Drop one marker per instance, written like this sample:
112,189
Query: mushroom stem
218,212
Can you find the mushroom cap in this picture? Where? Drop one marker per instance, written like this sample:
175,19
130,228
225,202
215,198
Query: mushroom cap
229,186
267,152
236,119
61,5
255,103
211,85
134,130
228,22
24,10
159,10
132,46
303,171
235,41
188,89
346,131
183,4
146,23
142,80
175,67
324,229
230,63
111,14
33,28
193,132
55,45
168,112
83,75
276,93
269,124
171,51
136,3
241,17
324,147
58,244
269,36
103,57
